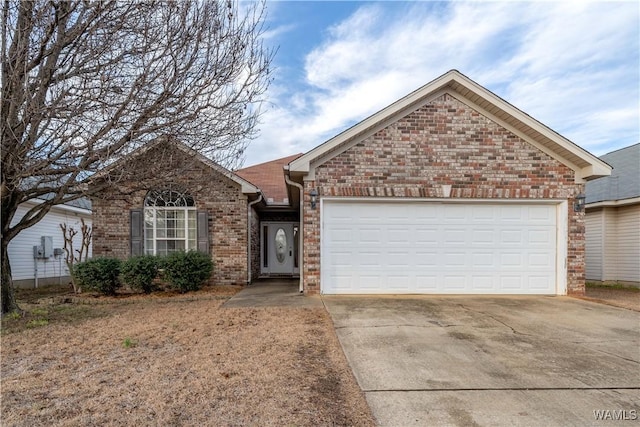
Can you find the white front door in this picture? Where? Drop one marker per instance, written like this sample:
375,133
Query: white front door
279,247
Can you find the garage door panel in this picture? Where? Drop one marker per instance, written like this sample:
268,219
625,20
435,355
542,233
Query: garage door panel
398,282
454,282
483,236
427,283
539,237
508,215
483,283
455,213
424,236
511,260
424,214
454,259
367,259
370,234
483,260
511,237
454,237
398,259
539,215
482,214
427,259
512,283
396,234
340,234
370,282
540,283
540,260
438,248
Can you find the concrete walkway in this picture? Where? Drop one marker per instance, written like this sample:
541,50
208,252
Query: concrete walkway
273,293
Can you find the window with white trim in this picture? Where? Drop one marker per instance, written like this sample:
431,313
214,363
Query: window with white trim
169,222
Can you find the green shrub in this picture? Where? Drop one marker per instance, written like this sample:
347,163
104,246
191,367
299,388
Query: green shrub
139,272
98,274
187,271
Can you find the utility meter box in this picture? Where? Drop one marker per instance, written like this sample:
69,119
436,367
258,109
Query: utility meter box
38,251
47,246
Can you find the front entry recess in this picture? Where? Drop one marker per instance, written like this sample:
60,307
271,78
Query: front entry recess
279,248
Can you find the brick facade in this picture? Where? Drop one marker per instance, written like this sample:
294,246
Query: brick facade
444,142
163,167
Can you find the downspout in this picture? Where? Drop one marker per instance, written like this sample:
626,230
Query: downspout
301,242
249,217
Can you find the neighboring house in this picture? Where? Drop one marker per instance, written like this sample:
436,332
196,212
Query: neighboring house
448,190
27,270
613,220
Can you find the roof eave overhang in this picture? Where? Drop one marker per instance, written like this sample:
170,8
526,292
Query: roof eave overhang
613,203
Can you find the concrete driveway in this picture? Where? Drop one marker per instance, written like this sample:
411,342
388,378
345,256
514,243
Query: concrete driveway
491,361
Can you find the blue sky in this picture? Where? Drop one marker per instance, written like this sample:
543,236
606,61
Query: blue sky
574,66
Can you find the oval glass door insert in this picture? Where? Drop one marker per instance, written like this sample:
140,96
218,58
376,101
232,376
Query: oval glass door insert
281,245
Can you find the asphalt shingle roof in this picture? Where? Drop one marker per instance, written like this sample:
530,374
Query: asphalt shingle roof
624,182
269,177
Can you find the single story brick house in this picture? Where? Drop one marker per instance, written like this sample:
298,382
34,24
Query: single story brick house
448,190
612,220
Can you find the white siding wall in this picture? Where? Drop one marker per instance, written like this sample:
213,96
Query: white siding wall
628,237
609,244
21,247
613,244
593,242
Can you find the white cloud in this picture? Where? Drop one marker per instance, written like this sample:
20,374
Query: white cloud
573,66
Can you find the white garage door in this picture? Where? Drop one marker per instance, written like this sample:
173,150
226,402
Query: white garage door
440,248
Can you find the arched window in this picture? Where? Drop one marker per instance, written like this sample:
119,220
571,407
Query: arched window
169,222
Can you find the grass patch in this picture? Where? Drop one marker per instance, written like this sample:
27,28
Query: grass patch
34,295
14,315
600,285
36,323
128,343
43,306
42,312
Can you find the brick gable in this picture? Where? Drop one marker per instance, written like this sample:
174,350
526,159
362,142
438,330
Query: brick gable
445,142
165,167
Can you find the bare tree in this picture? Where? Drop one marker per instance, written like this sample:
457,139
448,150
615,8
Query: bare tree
85,83
72,256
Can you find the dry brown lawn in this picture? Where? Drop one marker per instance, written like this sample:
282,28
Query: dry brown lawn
180,360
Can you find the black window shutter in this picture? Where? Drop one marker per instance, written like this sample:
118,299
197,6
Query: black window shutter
136,234
203,232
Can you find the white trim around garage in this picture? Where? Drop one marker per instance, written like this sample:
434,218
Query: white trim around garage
560,220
